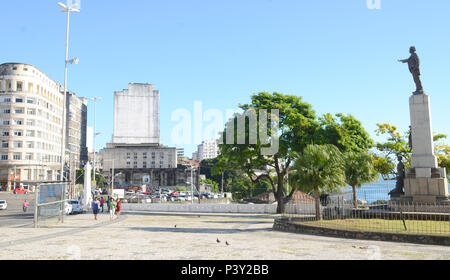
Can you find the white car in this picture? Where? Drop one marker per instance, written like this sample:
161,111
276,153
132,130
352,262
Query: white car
67,208
76,207
3,205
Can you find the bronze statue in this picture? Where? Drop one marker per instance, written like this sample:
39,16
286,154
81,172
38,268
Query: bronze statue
414,67
399,186
410,143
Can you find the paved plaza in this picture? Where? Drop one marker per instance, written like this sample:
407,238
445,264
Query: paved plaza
184,236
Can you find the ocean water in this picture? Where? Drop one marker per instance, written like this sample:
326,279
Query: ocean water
375,191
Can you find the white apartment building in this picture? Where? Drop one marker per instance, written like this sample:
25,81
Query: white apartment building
208,149
31,106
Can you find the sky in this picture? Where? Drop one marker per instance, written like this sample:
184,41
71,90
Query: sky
339,55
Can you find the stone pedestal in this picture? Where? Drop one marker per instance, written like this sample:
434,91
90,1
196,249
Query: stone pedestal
425,182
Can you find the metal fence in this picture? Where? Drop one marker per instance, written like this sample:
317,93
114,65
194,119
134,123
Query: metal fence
50,203
373,213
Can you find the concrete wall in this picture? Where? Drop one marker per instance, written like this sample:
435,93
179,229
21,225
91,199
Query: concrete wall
203,208
216,208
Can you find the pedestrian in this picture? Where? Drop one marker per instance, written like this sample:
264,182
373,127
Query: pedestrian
102,202
95,207
112,208
107,202
118,208
25,206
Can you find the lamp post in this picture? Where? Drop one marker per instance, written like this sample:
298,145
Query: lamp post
76,60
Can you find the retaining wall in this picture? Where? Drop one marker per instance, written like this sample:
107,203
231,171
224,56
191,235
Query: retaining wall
285,225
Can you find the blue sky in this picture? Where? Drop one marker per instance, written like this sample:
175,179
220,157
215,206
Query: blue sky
338,54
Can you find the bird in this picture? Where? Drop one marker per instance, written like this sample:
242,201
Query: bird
218,241
228,244
175,225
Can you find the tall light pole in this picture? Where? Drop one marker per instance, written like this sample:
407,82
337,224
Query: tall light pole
95,132
63,140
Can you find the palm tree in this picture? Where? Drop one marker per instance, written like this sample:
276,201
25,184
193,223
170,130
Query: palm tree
320,168
359,170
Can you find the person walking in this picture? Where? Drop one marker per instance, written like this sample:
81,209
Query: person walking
107,203
112,208
25,206
102,202
95,207
118,208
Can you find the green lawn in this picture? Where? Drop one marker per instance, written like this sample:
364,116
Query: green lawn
380,225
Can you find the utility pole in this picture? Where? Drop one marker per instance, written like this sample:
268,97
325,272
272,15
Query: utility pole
63,138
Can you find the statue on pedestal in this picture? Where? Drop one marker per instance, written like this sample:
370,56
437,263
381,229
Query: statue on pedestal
414,67
399,186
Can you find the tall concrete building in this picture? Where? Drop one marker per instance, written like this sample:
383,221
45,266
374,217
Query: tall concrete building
136,115
31,108
135,152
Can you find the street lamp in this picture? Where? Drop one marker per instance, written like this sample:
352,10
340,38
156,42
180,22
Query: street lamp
67,10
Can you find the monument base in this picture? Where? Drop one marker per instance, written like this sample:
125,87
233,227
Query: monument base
430,189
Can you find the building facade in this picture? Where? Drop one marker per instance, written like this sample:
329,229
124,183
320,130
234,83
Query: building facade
31,108
136,115
135,152
208,149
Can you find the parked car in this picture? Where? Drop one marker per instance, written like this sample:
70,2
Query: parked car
3,205
129,193
180,198
67,208
76,207
21,191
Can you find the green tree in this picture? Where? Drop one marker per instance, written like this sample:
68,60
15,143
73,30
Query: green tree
320,169
101,181
359,170
296,125
345,132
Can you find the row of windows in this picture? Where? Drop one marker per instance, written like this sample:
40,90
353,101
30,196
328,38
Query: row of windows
29,145
30,156
20,87
30,133
144,165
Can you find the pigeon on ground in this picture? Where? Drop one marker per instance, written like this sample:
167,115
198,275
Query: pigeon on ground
175,225
226,242
218,241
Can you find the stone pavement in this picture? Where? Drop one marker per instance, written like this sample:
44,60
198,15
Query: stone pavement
153,236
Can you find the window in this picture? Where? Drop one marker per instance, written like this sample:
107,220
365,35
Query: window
17,156
5,133
30,122
19,100
31,112
18,133
4,157
18,144
19,86
6,111
19,110
29,156
18,122
30,133
30,145
5,122
5,100
5,144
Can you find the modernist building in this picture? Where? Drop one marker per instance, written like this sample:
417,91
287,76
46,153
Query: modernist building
135,152
31,106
